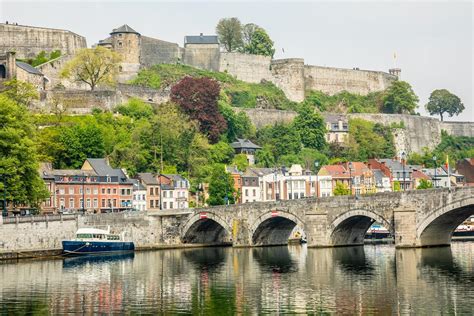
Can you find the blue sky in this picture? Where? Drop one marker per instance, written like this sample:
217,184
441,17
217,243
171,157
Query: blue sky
433,41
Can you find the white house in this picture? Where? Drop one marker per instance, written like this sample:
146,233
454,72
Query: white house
139,196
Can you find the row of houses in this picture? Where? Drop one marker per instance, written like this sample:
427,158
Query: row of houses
99,188
377,175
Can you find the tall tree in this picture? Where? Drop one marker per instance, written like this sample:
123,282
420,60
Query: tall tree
221,187
20,92
198,97
442,101
93,66
260,44
229,31
247,32
399,98
18,158
311,127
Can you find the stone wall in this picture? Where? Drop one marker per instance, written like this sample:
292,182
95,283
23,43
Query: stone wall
28,41
263,117
52,70
245,67
154,51
288,75
458,128
144,93
203,56
333,80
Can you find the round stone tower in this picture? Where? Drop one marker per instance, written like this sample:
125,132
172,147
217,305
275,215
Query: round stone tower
126,42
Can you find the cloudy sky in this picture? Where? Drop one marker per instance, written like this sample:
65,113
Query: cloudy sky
433,41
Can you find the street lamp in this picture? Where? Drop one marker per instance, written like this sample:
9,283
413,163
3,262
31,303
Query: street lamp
83,200
403,166
4,211
435,167
316,165
350,176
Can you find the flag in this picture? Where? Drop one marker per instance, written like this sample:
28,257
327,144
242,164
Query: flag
446,164
394,55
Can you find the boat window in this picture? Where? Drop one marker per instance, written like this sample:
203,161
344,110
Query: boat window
113,237
82,236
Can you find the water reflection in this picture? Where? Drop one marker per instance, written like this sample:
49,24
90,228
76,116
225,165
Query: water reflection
355,280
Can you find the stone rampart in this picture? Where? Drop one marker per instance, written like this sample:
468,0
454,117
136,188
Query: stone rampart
245,67
288,75
458,128
80,101
263,117
28,41
333,80
154,51
204,56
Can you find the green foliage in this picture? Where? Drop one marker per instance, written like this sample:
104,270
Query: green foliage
221,152
282,139
396,186
311,128
344,102
240,161
369,140
260,43
264,157
399,98
20,92
135,108
229,31
18,156
43,57
93,66
341,189
236,92
238,124
424,184
309,156
442,101
147,77
221,185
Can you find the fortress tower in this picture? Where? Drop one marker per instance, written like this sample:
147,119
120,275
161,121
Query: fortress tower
126,42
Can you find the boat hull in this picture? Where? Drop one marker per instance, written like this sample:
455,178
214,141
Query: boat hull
77,247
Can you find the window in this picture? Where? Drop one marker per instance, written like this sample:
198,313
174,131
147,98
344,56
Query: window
62,191
88,191
171,194
96,203
81,202
152,203
109,203
114,191
108,190
103,190
80,191
129,192
151,191
88,203
120,44
71,203
96,191
103,202
164,205
62,203
164,194
115,202
246,192
254,192
171,204
71,190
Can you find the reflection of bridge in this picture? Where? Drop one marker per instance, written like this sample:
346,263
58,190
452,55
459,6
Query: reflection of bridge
415,218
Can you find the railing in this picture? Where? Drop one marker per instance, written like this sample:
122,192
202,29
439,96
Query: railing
38,218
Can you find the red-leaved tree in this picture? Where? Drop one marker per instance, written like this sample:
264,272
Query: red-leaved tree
198,97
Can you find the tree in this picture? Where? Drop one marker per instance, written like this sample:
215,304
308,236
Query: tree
221,187
221,152
366,140
240,161
135,108
198,97
396,186
247,32
93,66
18,157
23,93
264,157
399,98
442,101
311,128
229,31
424,184
341,189
260,44
238,124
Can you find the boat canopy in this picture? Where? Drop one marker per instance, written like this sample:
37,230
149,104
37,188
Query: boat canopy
92,231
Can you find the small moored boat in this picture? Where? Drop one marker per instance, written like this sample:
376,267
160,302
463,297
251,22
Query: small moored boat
96,241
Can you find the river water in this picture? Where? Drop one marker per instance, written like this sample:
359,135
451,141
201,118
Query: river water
222,281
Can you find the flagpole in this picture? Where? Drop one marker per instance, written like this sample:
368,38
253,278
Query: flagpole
449,176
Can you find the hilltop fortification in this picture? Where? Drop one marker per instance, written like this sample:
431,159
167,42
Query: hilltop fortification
28,41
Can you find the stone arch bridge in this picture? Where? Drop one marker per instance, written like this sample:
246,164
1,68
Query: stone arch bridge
415,218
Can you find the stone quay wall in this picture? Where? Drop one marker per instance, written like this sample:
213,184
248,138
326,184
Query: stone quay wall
28,41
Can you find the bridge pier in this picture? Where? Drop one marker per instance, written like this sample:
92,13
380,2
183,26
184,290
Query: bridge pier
405,228
316,229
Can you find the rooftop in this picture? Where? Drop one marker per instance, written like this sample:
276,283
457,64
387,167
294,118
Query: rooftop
244,143
28,68
124,29
201,39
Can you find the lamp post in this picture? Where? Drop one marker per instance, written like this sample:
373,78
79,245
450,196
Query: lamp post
350,176
435,167
275,170
283,171
83,195
403,166
316,190
4,211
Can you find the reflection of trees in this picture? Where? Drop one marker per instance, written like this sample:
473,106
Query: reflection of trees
275,259
353,260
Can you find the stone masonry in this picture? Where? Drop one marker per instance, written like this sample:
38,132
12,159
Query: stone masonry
415,218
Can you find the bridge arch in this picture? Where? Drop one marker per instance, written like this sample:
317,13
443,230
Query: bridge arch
349,228
437,227
274,227
206,228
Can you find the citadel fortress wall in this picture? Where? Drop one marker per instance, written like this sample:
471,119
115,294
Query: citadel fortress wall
28,41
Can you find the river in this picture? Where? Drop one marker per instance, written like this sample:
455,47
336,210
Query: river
374,279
